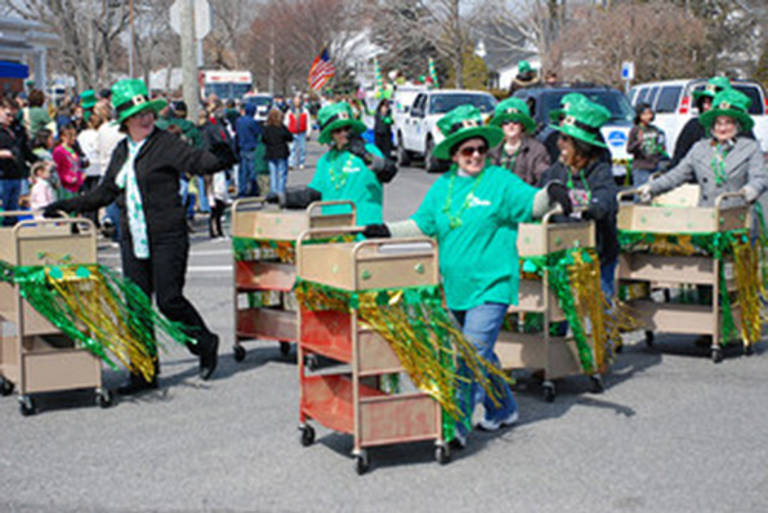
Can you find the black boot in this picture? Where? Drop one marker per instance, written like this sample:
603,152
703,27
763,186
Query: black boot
136,383
209,356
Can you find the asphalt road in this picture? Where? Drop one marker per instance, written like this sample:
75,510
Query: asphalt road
672,433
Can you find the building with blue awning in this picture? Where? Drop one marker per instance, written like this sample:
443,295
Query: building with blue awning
23,51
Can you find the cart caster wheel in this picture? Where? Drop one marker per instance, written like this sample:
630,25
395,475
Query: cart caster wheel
362,463
442,454
749,350
307,435
285,348
6,387
104,397
26,406
549,391
239,352
598,387
717,354
649,336
311,362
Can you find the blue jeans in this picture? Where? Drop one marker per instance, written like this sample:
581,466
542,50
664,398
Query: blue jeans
298,150
278,173
246,175
481,326
113,213
641,176
9,195
607,282
203,197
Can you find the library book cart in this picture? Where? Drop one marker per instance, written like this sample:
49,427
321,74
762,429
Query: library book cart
350,398
556,356
669,220
35,356
264,237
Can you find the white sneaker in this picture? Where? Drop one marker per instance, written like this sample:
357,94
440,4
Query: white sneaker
301,166
493,425
459,440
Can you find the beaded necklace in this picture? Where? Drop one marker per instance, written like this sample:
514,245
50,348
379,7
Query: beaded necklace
718,164
454,220
339,177
583,182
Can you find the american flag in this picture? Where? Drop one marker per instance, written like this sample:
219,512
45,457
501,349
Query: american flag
322,70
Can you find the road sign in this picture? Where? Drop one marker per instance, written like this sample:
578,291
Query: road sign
202,17
628,70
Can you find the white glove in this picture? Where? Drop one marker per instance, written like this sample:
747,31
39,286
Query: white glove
750,193
645,193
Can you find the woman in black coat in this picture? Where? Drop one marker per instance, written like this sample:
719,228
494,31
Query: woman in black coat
382,128
143,177
276,138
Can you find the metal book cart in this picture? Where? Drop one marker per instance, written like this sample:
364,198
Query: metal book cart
556,356
672,270
264,270
36,357
349,400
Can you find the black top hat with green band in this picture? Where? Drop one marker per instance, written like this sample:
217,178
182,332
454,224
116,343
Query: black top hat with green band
465,122
731,103
129,97
714,86
514,109
583,121
335,116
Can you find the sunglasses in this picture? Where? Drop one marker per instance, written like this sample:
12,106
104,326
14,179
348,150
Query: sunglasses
470,150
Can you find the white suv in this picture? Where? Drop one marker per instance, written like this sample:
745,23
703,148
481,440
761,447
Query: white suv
417,133
673,103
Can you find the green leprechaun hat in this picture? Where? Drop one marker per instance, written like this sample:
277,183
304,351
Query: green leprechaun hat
714,86
583,121
731,103
565,103
514,109
129,97
524,67
87,99
462,123
335,116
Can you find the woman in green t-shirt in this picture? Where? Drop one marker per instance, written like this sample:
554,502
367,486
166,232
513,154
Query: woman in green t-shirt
471,211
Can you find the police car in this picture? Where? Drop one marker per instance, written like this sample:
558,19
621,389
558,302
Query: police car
543,99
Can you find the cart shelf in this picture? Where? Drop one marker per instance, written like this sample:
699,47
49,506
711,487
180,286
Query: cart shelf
268,323
253,276
329,400
677,318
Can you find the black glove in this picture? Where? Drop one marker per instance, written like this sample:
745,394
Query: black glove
301,198
376,231
224,153
558,193
272,197
356,146
384,169
54,210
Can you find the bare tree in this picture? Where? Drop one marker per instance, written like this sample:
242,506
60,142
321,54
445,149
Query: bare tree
155,44
89,32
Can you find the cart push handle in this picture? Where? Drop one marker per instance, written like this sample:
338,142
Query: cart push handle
341,230
558,209
627,192
75,223
320,204
725,195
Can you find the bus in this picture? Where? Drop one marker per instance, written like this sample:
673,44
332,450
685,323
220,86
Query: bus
227,85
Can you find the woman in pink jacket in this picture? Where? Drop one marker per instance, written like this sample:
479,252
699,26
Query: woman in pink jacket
68,164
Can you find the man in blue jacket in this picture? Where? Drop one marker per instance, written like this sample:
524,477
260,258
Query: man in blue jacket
248,138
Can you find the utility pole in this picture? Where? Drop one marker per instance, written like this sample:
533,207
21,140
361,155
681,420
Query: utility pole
188,58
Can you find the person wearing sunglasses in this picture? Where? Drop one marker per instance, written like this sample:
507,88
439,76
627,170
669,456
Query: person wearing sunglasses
589,178
351,170
520,153
473,211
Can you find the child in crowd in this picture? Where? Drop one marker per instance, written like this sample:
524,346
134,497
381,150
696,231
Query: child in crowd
218,198
43,192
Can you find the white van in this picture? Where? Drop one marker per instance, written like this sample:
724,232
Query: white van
672,101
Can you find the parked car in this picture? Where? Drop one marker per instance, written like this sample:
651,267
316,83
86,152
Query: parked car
543,99
672,100
263,102
417,133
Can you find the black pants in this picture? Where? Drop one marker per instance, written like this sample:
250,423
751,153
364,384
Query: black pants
163,274
214,221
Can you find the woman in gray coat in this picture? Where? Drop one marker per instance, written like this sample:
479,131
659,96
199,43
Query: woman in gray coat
725,162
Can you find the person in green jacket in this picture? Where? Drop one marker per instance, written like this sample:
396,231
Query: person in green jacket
351,170
473,212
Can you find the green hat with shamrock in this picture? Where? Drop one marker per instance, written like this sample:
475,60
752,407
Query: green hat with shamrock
334,116
565,102
129,97
583,121
87,99
465,122
714,86
731,103
514,109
